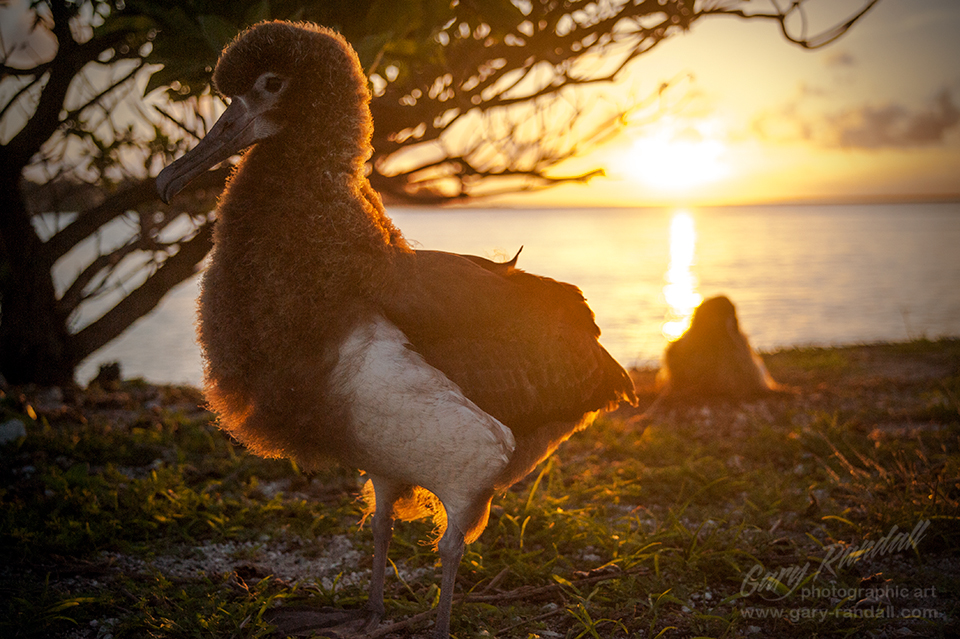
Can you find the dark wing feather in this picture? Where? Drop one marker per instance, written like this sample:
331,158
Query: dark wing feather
524,348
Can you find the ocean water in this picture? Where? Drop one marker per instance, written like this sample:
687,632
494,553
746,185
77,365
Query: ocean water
798,275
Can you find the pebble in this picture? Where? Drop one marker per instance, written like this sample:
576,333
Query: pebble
12,430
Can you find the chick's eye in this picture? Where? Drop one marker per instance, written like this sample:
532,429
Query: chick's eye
272,85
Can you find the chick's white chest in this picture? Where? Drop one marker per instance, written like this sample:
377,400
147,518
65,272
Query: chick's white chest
412,423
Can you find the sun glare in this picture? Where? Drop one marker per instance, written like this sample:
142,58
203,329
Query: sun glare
680,287
674,158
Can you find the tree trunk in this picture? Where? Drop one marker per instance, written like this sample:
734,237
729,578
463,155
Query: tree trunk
34,341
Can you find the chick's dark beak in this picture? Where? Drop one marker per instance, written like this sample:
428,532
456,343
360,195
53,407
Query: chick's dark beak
237,128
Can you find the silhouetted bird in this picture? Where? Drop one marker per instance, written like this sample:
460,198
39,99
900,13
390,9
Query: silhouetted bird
326,337
713,358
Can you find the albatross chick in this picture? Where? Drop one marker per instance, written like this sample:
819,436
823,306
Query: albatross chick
326,338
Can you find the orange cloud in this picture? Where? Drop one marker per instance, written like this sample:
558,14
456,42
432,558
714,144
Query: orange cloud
895,126
869,127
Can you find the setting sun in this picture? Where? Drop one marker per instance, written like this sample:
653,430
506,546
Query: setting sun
677,157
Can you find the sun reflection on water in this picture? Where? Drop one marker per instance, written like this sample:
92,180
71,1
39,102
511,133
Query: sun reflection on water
680,287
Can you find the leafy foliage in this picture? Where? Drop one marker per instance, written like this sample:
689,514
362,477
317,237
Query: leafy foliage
96,96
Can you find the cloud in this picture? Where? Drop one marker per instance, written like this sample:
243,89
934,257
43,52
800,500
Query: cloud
811,91
894,126
840,59
870,127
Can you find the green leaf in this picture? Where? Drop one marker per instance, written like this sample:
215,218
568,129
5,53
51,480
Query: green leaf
218,31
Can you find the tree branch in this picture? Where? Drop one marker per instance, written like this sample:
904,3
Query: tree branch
66,64
144,299
16,96
40,69
95,100
820,40
73,296
128,199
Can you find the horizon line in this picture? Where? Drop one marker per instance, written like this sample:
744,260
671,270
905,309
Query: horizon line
479,203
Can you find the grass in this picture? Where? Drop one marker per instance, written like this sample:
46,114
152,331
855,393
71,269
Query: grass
128,514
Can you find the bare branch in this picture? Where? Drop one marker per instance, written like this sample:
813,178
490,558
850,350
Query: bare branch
96,100
16,96
39,69
72,297
130,198
141,301
196,135
817,41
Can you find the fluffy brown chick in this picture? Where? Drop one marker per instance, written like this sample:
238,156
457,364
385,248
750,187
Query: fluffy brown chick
714,358
326,338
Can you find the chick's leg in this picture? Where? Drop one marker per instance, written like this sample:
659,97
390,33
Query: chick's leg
451,552
387,493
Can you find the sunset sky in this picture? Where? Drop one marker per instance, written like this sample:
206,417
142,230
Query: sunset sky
874,115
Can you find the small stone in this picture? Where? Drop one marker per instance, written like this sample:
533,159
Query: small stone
108,377
12,430
49,399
